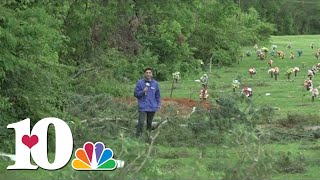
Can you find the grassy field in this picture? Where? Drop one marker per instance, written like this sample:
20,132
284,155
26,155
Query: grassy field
287,96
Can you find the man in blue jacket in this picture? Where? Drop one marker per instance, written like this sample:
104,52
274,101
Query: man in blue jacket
148,94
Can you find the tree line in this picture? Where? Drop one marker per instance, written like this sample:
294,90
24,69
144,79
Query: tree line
53,50
291,17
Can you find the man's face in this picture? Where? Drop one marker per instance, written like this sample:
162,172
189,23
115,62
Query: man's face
148,74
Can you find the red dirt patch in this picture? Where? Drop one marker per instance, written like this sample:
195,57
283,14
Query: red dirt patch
187,102
183,106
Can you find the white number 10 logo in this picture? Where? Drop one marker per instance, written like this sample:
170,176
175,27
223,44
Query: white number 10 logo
36,144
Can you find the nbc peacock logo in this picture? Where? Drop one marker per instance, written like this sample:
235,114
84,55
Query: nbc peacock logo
94,157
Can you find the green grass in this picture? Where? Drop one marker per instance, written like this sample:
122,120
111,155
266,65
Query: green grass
310,153
211,165
289,96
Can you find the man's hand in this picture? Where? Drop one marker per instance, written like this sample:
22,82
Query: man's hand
145,89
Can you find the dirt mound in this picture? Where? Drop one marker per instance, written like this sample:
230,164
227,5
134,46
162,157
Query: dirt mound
182,106
182,101
185,102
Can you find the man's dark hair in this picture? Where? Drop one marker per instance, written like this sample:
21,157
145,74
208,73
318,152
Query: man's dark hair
146,69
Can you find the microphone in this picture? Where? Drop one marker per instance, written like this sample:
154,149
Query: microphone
147,85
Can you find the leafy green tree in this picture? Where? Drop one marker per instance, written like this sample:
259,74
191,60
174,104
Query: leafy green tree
290,17
32,80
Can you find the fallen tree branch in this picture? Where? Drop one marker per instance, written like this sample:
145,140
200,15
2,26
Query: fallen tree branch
81,72
125,170
97,120
290,134
126,129
148,153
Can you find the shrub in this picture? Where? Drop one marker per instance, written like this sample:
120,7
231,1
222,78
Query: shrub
264,114
175,135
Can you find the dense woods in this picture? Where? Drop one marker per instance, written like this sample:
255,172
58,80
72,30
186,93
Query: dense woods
51,50
289,16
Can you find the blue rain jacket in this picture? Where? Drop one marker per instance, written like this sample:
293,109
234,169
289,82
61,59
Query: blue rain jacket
149,101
